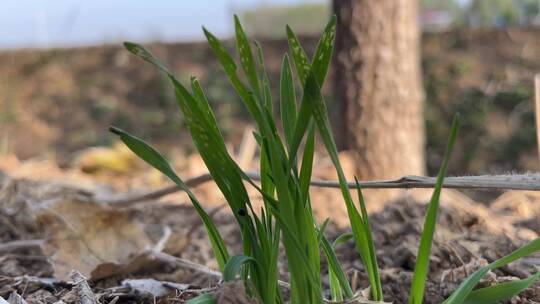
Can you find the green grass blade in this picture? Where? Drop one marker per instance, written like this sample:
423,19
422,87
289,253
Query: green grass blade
287,100
225,172
205,108
313,94
145,55
294,241
336,294
424,251
322,57
266,181
226,60
305,282
323,53
205,298
319,68
272,270
465,288
336,288
205,133
266,92
262,116
528,249
290,240
246,58
270,292
500,292
232,268
212,149
335,269
343,238
322,227
302,122
299,56
156,160
210,144
369,235
319,112
229,66
307,164
267,105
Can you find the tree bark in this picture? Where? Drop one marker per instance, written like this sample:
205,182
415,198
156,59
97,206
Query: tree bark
377,86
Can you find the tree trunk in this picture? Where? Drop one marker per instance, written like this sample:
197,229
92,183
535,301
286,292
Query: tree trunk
378,87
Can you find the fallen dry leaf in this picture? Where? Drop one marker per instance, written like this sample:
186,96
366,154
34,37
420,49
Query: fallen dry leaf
154,287
140,263
81,234
15,298
82,289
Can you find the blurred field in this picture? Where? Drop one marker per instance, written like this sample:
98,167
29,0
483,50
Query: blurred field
57,102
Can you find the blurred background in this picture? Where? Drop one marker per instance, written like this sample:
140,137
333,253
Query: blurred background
65,77
73,197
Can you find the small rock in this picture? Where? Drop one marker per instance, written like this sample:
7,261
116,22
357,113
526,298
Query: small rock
15,298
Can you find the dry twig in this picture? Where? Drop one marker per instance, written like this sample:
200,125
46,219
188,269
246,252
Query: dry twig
20,245
530,181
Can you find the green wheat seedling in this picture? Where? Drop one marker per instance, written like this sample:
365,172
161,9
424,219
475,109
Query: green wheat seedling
287,216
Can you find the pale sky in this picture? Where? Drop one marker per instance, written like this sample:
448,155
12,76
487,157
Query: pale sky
57,23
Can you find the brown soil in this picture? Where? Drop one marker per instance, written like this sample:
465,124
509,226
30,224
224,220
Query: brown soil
468,235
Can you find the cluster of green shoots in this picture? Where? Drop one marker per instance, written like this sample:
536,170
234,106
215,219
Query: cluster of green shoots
286,162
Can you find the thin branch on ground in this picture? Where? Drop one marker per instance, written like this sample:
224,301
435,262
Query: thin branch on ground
530,181
20,245
196,267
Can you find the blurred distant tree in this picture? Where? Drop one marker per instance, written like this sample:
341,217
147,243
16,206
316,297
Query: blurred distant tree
495,12
438,4
378,86
531,9
268,21
451,6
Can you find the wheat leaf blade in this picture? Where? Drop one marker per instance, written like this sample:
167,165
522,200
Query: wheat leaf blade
232,268
465,288
156,160
424,251
500,292
246,58
287,100
320,115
